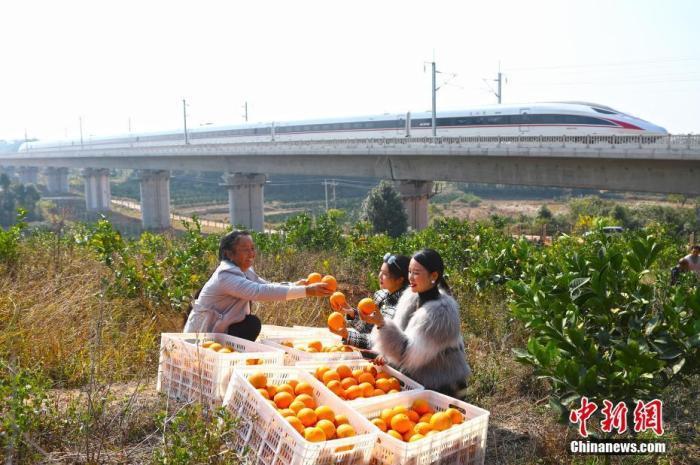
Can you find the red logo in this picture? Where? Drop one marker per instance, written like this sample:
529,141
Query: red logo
647,415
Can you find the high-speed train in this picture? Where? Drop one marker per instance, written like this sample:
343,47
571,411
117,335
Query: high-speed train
536,119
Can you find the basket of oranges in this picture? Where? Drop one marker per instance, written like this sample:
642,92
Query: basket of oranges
198,366
313,348
427,427
289,418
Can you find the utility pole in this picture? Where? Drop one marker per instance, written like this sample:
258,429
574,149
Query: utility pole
129,124
80,122
499,94
184,117
434,100
333,184
325,187
245,111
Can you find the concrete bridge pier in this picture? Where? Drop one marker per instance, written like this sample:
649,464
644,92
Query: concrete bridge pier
28,174
98,196
56,180
245,199
415,195
155,199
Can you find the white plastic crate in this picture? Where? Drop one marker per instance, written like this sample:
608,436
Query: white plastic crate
294,355
271,440
187,372
407,384
463,444
274,331
308,331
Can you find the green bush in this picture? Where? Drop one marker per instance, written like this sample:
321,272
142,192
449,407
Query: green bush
602,322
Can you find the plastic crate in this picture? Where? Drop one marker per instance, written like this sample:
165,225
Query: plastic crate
407,384
271,440
462,444
307,331
292,355
187,372
273,331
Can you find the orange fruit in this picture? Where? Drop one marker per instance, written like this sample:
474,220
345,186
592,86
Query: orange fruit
329,376
324,412
264,393
382,375
296,423
331,283
386,415
345,431
395,434
338,300
226,350
399,409
394,383
293,383
341,419
304,388
206,344
353,392
314,434
378,392
415,437
320,371
216,347
347,382
283,399
407,435
367,306
258,379
336,388
328,428
307,416
315,345
313,278
287,412
413,416
356,373
336,321
421,406
379,423
254,361
366,378
440,421
285,388
455,415
344,371
425,418
367,389
296,406
400,422
307,400
383,384
422,428
370,369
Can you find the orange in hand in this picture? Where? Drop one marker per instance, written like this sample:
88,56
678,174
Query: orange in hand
313,278
331,283
338,300
336,321
367,306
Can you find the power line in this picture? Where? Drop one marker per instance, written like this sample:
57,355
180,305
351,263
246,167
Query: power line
593,65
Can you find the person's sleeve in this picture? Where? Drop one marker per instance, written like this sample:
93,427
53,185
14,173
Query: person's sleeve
357,339
246,289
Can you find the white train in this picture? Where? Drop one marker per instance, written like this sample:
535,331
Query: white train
537,119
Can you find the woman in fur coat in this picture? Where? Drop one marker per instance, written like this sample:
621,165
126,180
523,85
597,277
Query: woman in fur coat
424,339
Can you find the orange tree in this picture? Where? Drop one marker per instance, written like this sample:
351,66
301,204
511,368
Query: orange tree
603,320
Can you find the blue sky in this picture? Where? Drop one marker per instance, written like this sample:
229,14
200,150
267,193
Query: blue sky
111,62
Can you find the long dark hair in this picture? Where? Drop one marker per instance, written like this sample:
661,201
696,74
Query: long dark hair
228,242
432,261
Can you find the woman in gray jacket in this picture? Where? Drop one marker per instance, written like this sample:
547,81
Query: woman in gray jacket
223,304
424,339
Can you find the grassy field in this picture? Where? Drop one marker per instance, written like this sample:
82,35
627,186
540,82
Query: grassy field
79,359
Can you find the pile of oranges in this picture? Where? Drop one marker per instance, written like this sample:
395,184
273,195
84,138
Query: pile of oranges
295,401
317,346
416,422
359,383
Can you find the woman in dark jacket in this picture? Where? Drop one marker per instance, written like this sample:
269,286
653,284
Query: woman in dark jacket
393,280
424,339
